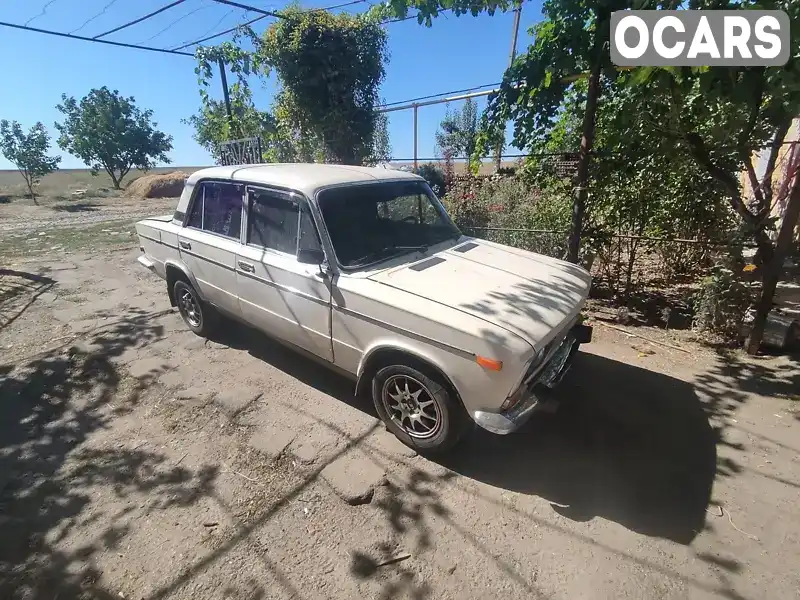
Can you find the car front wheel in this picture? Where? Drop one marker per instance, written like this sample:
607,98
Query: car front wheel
418,408
196,314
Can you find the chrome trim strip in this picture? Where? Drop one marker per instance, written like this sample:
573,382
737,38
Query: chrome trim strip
163,243
423,338
284,288
205,258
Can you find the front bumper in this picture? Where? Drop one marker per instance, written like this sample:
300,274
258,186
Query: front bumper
549,377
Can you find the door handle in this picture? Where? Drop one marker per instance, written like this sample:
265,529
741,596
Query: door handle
185,245
246,267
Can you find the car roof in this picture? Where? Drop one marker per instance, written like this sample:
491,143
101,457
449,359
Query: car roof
304,177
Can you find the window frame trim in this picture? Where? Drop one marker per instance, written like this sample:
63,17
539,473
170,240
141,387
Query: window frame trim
291,195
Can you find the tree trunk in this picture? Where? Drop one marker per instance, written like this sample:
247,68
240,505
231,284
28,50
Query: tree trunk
587,139
114,179
773,269
29,182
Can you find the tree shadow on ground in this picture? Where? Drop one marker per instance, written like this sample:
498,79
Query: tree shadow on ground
74,207
18,291
50,405
627,444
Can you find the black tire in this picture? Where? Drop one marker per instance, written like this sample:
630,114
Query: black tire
198,316
441,435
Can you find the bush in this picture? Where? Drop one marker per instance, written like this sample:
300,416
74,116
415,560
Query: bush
507,205
721,303
434,176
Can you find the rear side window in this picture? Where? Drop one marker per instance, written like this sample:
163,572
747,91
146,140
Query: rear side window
217,208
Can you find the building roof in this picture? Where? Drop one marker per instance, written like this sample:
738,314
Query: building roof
304,177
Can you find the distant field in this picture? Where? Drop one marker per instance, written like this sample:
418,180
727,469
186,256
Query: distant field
62,183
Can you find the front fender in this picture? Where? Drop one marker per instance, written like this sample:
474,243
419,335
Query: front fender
417,351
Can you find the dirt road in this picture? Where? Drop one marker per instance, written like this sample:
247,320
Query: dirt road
139,461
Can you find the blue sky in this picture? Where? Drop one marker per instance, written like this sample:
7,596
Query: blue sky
455,53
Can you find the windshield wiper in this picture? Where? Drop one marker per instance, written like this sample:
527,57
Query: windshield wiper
386,253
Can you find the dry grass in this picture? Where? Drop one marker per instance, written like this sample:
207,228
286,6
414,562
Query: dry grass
157,185
61,184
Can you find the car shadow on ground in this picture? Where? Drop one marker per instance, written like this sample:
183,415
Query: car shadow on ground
626,444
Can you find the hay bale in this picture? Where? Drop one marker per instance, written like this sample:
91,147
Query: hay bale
157,185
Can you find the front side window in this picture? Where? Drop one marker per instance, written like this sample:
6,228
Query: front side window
371,223
217,208
281,223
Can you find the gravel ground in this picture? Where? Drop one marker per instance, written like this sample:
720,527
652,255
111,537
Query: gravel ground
139,461
23,218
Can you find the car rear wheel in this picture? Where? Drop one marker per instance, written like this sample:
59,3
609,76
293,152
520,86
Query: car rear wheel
196,314
418,408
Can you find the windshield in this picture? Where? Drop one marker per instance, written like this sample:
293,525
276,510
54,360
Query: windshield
371,223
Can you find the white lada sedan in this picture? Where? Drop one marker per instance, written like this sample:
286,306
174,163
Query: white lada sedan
363,269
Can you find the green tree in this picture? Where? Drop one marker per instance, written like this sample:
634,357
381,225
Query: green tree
717,116
108,131
381,143
330,68
458,130
28,152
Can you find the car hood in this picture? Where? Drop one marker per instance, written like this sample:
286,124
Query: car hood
530,295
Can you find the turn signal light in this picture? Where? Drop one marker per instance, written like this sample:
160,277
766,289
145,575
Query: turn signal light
489,363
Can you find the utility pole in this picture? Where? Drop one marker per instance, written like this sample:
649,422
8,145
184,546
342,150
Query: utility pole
416,106
225,93
512,56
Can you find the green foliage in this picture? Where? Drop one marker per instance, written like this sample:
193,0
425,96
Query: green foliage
721,303
28,152
434,176
480,206
330,68
381,150
458,130
108,131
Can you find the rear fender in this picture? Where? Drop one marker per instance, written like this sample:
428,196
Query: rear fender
172,265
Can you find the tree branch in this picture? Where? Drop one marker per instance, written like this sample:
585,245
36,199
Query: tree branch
698,151
743,148
775,147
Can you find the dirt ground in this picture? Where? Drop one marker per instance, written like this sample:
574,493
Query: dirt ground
139,461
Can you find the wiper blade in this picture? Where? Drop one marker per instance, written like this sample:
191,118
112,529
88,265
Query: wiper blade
386,253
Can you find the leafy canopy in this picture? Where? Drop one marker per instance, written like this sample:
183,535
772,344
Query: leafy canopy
330,68
28,152
457,132
108,131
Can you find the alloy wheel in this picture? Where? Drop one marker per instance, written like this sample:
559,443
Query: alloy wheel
190,308
411,406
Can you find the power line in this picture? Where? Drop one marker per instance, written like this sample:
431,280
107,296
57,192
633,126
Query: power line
102,12
221,33
88,39
139,20
232,29
41,13
176,21
478,87
260,11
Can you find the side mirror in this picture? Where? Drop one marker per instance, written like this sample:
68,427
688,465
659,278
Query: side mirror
310,256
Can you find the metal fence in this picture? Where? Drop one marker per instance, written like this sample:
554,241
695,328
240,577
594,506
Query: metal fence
246,151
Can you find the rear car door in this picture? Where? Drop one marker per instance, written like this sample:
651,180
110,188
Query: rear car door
277,293
210,239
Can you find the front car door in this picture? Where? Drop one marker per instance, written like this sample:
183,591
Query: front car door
277,293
